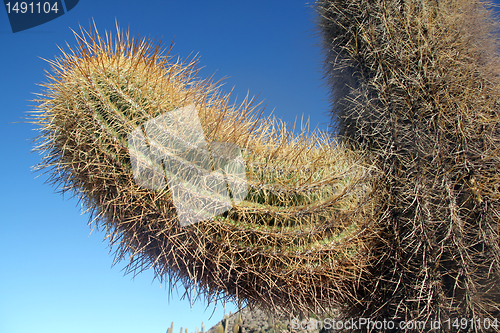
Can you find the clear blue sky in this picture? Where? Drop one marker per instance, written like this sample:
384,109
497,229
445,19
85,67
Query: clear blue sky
54,275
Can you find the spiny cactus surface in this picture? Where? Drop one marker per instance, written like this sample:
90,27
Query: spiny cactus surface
416,82
299,238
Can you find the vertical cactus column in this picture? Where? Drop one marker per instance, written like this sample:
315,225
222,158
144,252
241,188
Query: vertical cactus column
416,83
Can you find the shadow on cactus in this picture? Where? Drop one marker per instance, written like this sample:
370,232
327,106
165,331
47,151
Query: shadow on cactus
300,236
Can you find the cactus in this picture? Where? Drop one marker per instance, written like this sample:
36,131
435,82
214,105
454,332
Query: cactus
220,328
398,219
236,327
300,238
269,320
225,323
416,83
171,329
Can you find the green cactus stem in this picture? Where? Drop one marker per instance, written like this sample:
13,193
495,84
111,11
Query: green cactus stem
300,237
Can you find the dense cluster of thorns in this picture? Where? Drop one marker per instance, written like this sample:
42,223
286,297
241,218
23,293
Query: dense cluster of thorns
301,238
416,83
398,219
